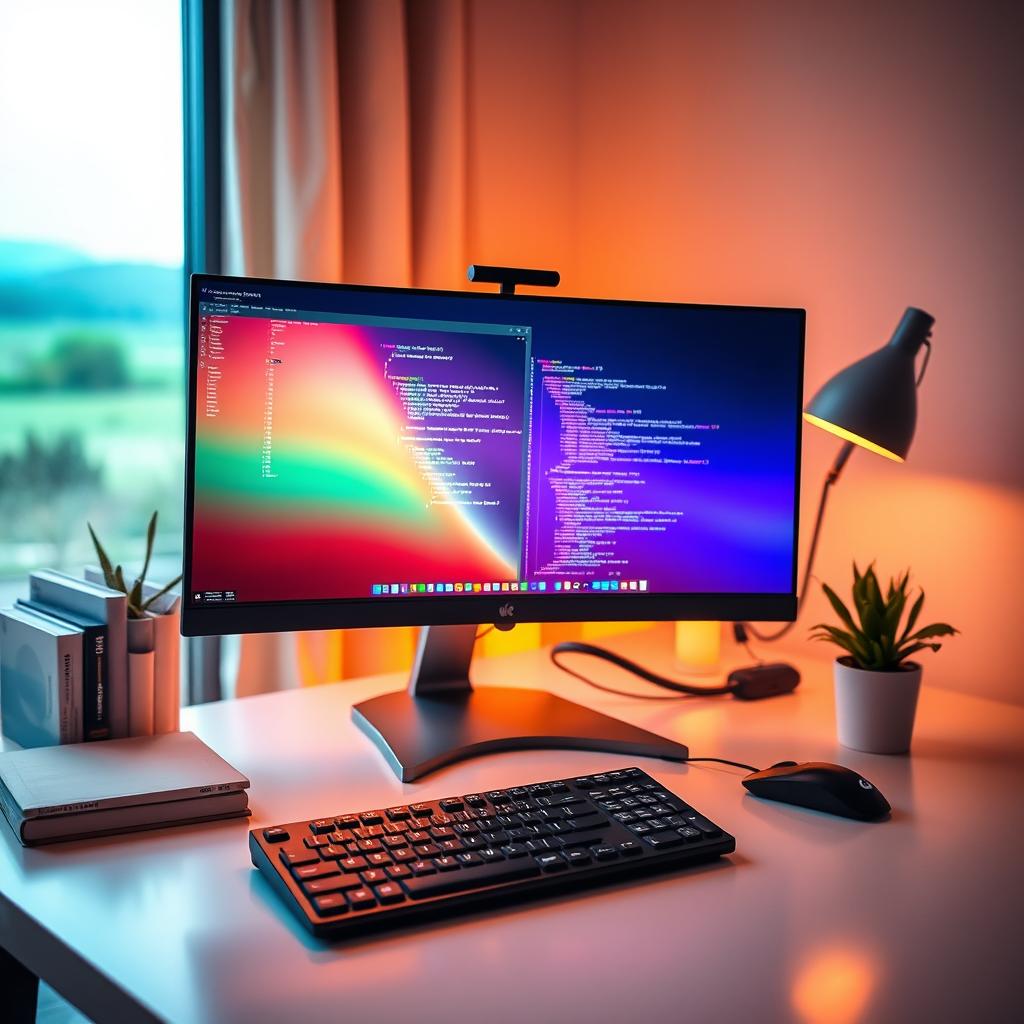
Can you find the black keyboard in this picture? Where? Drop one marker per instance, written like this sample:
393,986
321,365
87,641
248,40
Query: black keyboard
353,872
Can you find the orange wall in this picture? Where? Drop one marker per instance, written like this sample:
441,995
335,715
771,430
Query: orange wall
851,159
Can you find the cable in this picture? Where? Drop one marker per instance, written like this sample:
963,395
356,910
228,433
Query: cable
681,689
483,632
630,666
722,760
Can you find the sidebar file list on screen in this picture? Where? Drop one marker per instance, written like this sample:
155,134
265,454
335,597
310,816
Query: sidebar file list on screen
389,451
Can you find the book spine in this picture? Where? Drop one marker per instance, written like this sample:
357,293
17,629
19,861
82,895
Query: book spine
95,720
69,688
110,803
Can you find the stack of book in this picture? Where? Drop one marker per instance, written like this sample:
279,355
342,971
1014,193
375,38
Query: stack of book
74,668
93,789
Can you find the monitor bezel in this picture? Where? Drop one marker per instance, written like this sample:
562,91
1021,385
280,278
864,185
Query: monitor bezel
504,609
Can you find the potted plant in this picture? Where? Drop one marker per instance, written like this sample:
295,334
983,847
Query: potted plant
876,684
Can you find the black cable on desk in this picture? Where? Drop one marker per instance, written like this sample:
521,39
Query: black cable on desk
681,689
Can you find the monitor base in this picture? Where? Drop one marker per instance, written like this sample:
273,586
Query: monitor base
442,718
417,735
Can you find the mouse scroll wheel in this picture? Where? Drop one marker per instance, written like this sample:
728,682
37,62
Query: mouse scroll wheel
785,764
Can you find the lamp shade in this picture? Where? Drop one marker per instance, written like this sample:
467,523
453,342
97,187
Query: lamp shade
873,403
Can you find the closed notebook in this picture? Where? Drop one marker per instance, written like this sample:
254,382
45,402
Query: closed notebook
137,818
118,773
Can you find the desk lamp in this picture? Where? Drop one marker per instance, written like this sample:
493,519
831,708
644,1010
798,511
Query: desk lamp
871,404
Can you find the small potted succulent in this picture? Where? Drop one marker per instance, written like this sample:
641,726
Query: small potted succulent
875,682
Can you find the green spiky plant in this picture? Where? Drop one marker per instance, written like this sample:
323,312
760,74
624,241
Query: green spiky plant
113,575
875,640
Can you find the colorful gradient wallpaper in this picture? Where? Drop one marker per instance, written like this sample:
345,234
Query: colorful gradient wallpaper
348,441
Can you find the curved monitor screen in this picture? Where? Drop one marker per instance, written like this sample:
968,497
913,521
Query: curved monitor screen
390,445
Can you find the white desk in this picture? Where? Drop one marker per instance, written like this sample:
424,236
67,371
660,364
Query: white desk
813,919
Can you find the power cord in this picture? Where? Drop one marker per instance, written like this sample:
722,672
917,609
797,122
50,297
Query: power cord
722,760
681,689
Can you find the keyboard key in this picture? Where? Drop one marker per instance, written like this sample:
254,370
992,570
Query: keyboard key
577,858
373,877
421,810
321,826
394,842
550,862
475,800
423,867
390,892
450,845
515,850
371,817
315,842
325,869
347,822
630,848
398,813
446,863
605,853
709,828
691,835
417,836
370,846
352,864
470,878
587,824
335,903
428,850
664,839
361,899
403,856
296,858
469,858
339,883
452,804
378,860
398,871
333,852
276,835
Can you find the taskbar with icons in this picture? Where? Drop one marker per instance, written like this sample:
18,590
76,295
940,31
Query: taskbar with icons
512,587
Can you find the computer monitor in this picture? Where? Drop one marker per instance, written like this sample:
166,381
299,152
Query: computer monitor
363,456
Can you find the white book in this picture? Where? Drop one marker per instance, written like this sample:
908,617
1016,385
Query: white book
61,828
40,678
88,777
111,606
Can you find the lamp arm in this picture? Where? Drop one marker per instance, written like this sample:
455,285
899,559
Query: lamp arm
739,628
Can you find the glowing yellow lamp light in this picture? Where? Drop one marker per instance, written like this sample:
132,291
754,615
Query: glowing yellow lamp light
698,646
849,435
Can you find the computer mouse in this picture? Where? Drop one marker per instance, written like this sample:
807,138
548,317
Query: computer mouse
823,787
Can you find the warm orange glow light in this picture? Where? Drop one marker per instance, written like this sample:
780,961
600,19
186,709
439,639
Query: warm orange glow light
698,645
848,435
834,987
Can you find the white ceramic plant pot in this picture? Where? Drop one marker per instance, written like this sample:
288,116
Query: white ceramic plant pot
875,710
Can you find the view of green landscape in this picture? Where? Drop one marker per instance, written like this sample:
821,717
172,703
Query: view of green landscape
91,404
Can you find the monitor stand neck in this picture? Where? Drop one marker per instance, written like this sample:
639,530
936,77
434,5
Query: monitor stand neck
441,718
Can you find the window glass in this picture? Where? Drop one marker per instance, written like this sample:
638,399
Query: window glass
91,283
